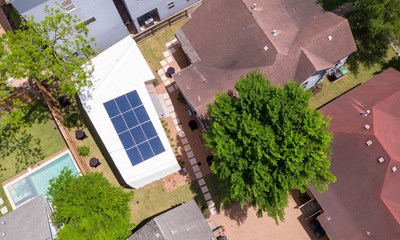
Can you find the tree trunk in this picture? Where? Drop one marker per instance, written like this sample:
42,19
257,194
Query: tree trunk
33,89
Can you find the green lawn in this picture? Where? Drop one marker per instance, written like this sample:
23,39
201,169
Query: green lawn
153,199
153,48
332,90
41,140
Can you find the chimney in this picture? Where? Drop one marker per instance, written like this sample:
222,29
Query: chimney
369,143
381,160
394,169
330,38
367,126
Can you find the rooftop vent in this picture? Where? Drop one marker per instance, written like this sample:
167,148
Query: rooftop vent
394,169
254,6
366,113
265,48
330,37
367,126
381,160
198,98
274,33
369,143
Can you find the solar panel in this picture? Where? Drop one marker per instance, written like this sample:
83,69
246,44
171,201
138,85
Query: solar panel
134,128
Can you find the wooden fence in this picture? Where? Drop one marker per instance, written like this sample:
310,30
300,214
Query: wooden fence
151,31
55,111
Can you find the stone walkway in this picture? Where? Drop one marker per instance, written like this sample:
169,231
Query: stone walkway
172,87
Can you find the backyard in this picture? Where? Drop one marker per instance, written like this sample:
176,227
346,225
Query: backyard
40,141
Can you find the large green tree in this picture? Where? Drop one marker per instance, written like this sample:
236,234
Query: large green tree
375,24
89,207
267,141
51,51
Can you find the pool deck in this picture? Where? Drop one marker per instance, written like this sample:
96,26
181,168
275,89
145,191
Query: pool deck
35,168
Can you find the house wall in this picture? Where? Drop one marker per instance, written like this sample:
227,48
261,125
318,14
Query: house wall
311,81
138,8
108,28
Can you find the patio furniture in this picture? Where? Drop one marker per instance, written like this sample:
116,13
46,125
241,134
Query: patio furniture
170,71
94,162
80,135
193,125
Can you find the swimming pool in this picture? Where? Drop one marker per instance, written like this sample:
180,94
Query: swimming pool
36,182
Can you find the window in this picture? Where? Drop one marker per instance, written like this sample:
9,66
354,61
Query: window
171,5
89,21
68,5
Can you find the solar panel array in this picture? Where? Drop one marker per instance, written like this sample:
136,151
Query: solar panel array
134,127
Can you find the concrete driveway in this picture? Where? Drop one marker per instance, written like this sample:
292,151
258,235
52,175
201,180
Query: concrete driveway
245,225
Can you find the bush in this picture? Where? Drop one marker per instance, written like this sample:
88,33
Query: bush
84,151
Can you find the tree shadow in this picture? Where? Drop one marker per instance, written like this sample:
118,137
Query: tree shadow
37,112
394,62
237,213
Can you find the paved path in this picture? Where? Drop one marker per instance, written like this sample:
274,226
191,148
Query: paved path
172,87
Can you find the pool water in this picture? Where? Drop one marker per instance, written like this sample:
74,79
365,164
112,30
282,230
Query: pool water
37,182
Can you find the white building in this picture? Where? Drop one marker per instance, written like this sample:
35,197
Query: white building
120,109
100,16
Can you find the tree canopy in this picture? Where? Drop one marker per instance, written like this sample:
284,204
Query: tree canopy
89,207
267,141
52,50
375,24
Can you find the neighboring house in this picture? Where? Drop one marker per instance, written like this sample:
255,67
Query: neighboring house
30,221
100,16
364,202
145,13
285,39
180,223
123,115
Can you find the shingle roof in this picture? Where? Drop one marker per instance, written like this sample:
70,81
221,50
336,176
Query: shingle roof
180,223
364,201
225,39
29,221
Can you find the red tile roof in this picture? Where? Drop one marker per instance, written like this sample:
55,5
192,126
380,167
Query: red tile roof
225,39
364,203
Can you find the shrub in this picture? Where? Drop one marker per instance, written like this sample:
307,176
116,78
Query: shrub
84,151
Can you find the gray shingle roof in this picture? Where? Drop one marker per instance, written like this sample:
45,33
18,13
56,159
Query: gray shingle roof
180,223
285,39
29,221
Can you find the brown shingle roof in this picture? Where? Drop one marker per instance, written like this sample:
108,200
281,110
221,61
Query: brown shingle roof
225,39
364,201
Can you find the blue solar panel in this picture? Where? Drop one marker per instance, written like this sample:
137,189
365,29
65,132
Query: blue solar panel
130,119
119,124
111,108
134,128
134,156
134,99
156,145
149,130
127,140
138,135
145,150
141,114
123,104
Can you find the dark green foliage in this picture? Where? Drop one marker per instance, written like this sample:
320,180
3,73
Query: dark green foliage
266,142
84,151
89,207
375,24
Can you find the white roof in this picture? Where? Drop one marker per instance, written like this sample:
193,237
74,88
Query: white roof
119,70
